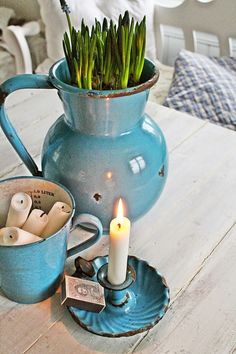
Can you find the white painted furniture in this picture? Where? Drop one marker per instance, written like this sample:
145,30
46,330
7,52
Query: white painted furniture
189,235
204,26
15,38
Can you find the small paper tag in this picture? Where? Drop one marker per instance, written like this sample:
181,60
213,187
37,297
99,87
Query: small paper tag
84,294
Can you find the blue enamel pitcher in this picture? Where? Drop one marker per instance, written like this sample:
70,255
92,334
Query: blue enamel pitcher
103,147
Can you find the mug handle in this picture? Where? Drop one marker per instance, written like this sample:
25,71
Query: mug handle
84,220
16,83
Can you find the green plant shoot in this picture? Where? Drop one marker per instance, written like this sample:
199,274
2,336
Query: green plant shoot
109,57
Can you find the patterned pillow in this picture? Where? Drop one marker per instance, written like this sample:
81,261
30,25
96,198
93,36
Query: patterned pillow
205,87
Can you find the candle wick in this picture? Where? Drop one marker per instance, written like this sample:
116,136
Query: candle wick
21,201
119,225
42,214
65,211
10,236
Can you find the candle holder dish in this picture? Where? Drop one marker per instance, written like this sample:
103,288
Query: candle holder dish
132,307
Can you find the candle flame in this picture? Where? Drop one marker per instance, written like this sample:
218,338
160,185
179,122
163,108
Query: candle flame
109,175
120,213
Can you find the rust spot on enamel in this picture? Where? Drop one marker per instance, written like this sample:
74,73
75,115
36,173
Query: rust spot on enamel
131,90
97,197
162,171
3,96
164,282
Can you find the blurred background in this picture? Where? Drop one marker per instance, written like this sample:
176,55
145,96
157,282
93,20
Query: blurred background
31,30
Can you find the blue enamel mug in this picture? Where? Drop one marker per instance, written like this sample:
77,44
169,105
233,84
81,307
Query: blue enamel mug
31,273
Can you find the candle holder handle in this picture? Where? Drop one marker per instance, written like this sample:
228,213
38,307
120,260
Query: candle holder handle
84,268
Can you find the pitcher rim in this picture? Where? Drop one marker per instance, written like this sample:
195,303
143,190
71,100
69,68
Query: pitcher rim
61,85
55,234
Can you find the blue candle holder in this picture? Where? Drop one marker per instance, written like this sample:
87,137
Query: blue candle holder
117,295
132,307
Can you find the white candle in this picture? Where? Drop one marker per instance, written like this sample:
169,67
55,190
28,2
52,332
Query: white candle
118,247
13,236
19,209
36,222
57,218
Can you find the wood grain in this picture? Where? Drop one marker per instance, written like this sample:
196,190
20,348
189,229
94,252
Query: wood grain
31,118
203,319
190,221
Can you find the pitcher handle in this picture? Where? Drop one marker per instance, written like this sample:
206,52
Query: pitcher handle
16,83
86,220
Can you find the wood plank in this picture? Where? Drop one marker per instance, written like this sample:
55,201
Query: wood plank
176,126
203,319
196,208
67,337
18,97
23,323
34,115
34,109
32,118
21,170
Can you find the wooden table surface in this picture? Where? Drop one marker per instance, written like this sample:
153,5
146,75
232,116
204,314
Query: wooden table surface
189,236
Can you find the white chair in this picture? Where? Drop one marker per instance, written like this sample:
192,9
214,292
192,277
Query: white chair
15,39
